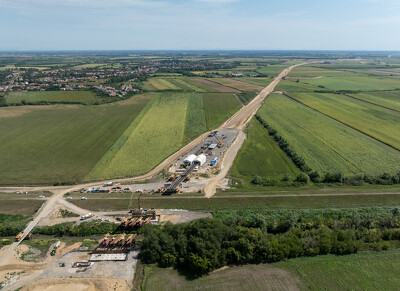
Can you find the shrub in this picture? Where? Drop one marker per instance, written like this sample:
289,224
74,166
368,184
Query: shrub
302,178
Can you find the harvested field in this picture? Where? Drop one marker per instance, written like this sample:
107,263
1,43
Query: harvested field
52,96
250,277
263,82
236,84
210,86
363,271
77,284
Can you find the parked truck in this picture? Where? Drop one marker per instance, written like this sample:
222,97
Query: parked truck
19,236
54,250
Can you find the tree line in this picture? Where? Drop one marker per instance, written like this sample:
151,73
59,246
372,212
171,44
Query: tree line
203,245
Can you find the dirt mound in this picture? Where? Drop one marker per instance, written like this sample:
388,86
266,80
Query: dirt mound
77,284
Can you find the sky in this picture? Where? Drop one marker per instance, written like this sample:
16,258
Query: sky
199,25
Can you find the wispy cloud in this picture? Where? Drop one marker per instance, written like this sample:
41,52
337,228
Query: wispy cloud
82,3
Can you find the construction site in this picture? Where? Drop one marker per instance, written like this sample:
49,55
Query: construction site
201,159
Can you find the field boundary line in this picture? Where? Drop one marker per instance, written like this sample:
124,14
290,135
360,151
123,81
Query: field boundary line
341,122
371,103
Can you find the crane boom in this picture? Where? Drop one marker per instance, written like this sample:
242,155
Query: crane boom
220,142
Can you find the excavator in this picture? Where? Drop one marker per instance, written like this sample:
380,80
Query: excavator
220,143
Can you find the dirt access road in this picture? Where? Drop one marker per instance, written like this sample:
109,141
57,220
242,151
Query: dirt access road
239,121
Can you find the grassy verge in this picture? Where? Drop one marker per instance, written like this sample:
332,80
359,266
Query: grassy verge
245,203
261,156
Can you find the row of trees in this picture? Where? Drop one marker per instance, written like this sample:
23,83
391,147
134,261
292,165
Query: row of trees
207,244
82,229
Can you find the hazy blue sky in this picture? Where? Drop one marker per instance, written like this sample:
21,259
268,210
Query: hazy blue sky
199,24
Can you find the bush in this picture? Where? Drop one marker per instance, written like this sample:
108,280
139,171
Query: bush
302,178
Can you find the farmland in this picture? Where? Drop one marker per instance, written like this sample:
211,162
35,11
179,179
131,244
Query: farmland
209,86
367,118
355,82
325,144
249,277
261,156
218,107
238,84
363,271
386,99
148,141
245,202
52,96
195,117
130,155
60,143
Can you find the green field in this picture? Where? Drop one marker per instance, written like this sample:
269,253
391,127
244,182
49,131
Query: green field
289,85
218,107
379,123
52,96
364,83
388,99
325,144
195,117
245,202
162,84
261,156
249,277
363,271
60,143
148,141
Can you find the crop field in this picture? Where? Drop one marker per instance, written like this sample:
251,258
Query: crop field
245,202
289,85
236,84
53,96
389,99
325,144
377,122
218,107
182,82
148,141
210,86
362,271
60,143
20,206
195,117
364,83
263,82
261,156
272,71
249,277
